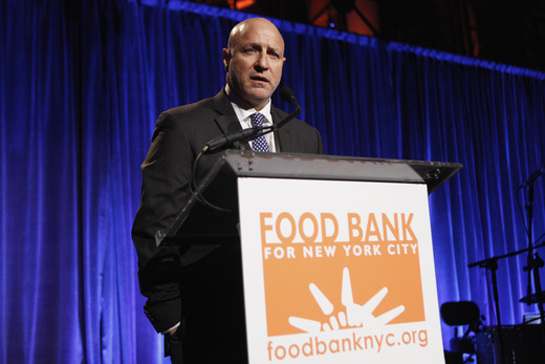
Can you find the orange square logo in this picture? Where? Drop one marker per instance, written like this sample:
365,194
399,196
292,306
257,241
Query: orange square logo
322,282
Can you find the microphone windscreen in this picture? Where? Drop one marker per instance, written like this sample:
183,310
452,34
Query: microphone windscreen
287,94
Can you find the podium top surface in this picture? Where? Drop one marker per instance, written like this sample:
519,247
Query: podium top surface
311,166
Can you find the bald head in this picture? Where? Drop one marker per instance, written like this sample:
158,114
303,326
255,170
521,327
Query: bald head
253,59
247,25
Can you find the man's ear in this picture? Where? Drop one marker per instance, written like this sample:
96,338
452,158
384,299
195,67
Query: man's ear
226,57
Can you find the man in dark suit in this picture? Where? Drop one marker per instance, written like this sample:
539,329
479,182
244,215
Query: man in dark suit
200,305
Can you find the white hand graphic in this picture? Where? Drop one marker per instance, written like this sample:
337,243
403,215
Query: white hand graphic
355,315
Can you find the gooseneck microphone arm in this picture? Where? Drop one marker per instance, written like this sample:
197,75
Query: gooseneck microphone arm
225,141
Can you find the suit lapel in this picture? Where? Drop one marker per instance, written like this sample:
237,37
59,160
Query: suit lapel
283,135
226,119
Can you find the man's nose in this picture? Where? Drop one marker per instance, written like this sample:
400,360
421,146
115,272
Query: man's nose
262,62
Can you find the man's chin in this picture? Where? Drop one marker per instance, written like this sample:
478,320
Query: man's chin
258,97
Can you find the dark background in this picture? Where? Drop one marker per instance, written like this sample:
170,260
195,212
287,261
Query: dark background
504,31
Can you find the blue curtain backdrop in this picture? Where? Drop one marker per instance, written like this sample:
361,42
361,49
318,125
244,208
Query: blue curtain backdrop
82,83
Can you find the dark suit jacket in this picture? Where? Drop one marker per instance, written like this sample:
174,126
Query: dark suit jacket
180,134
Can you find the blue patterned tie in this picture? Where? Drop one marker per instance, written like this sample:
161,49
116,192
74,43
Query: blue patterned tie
260,143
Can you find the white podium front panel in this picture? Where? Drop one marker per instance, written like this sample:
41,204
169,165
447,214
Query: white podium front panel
338,271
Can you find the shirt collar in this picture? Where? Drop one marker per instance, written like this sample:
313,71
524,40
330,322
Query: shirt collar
244,114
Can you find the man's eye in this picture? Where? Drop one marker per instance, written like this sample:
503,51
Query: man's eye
250,50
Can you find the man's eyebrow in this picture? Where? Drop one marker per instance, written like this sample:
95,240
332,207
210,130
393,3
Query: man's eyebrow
260,46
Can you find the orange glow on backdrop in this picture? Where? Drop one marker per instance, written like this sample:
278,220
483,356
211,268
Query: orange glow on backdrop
240,4
354,22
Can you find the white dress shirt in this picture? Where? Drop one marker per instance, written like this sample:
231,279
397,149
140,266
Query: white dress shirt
243,116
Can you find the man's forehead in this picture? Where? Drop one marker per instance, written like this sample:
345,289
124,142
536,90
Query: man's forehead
259,36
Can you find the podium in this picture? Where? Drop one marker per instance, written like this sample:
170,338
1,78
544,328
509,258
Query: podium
337,254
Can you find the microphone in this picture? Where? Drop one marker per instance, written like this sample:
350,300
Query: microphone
287,94
226,140
534,176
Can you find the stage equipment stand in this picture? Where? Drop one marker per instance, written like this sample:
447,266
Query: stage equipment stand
534,262
492,265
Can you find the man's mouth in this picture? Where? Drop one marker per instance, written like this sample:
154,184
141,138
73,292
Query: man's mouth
259,79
